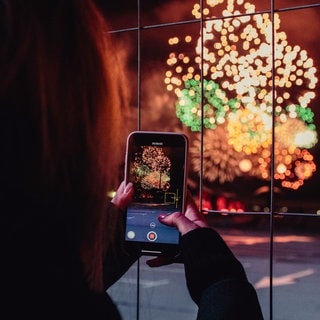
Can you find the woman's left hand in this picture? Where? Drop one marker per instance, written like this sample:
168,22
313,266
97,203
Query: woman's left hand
123,195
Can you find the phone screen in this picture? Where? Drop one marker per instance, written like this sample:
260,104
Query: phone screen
156,165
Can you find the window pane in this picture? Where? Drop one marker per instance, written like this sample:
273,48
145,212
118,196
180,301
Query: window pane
242,103
297,121
296,278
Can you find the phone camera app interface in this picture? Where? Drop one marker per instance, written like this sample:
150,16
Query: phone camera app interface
157,173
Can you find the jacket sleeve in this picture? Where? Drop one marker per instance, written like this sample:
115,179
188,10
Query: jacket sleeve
216,279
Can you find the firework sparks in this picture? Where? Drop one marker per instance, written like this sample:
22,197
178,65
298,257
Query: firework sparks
238,85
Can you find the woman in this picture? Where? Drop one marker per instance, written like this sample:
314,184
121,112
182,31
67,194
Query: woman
58,97
61,243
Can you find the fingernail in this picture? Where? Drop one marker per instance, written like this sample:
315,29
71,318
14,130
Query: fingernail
128,187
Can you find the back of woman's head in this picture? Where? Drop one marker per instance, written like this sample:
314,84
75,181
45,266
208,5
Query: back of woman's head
59,104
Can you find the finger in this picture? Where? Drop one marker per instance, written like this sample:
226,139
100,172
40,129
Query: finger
123,195
178,220
118,192
192,212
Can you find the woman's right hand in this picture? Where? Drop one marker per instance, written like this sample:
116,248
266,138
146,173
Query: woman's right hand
190,220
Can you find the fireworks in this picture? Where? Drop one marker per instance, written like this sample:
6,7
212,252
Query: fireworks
221,161
241,86
151,168
215,109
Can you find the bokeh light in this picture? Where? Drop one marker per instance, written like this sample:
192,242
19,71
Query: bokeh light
240,86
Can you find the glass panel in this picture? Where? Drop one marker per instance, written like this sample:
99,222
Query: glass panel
163,293
296,278
235,183
248,238
124,293
297,123
290,4
126,48
164,53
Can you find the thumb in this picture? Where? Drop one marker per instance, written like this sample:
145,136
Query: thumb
123,195
179,221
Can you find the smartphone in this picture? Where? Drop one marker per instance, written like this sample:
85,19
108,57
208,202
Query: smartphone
156,164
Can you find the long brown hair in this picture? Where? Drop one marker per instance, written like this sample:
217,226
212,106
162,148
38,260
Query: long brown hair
60,92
